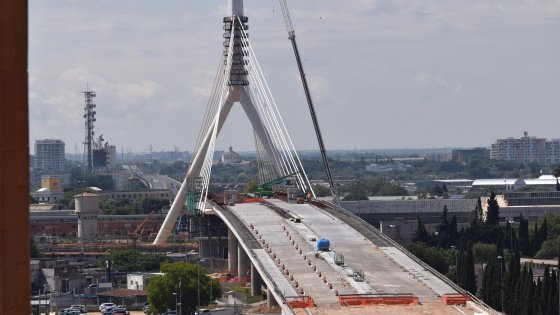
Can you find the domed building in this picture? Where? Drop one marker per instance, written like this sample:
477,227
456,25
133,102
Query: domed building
231,157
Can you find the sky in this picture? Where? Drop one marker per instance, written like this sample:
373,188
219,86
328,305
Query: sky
382,73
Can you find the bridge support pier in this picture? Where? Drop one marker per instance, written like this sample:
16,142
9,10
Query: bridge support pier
270,300
233,245
242,264
256,281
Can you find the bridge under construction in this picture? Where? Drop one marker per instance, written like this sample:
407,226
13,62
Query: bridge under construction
311,256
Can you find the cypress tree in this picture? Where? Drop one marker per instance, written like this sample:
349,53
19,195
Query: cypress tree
452,231
493,212
556,173
511,282
545,290
552,308
421,234
543,231
520,292
461,268
478,210
470,276
443,237
524,241
535,239
490,291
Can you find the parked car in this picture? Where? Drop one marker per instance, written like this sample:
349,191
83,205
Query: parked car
169,312
81,308
104,306
109,310
124,307
69,311
202,311
119,311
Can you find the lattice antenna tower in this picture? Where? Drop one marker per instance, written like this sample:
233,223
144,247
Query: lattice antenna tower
89,116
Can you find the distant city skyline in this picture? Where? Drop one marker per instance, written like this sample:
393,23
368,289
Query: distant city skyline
383,74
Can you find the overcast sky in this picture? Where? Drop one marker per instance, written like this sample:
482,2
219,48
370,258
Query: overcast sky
383,73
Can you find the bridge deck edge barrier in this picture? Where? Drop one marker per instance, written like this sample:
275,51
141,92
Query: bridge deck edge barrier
369,300
455,299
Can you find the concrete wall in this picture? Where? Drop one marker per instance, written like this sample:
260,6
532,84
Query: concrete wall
14,160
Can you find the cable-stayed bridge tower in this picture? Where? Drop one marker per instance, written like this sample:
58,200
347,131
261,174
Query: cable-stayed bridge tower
239,79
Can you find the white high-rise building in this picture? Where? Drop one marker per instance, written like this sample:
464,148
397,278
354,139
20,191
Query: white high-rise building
527,150
49,155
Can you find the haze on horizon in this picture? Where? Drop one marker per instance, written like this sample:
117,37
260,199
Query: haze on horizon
383,73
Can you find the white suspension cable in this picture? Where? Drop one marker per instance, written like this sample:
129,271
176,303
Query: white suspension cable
277,118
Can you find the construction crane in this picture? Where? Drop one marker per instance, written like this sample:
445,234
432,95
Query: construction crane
292,37
139,230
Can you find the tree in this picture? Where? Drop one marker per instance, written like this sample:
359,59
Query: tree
466,277
493,212
437,258
250,186
483,252
321,190
470,275
549,248
556,173
421,234
33,250
524,242
132,260
150,204
116,206
187,281
491,286
356,193
478,210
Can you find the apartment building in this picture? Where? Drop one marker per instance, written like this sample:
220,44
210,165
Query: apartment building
49,155
527,150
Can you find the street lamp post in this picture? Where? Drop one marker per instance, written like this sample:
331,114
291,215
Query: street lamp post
500,258
175,295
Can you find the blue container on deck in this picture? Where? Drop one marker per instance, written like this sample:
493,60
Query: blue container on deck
323,245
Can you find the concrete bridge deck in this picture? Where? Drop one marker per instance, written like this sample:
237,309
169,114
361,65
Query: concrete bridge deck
282,238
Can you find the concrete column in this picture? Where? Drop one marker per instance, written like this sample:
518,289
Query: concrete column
232,251
270,300
256,281
242,262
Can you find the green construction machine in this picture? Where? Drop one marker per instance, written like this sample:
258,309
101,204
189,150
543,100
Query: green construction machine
267,189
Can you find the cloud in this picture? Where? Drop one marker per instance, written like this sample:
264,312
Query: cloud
153,65
430,80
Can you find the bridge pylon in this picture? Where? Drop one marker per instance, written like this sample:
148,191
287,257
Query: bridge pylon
239,79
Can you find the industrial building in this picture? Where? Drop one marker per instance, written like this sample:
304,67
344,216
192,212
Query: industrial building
450,184
468,155
51,189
